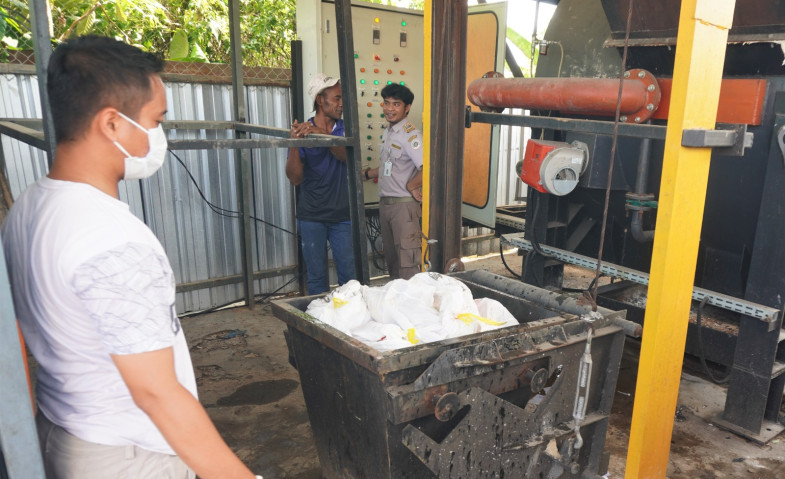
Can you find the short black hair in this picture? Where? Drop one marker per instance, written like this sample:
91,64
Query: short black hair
398,92
92,72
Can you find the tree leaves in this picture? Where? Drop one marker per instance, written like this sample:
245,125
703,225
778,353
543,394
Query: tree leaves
178,47
193,30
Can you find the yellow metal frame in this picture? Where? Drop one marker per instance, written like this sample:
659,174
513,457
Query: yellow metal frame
700,54
426,126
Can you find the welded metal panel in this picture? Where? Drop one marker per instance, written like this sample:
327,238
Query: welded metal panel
201,242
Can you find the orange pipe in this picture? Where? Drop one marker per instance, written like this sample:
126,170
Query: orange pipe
589,96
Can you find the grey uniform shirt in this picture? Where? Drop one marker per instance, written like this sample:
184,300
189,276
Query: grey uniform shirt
402,149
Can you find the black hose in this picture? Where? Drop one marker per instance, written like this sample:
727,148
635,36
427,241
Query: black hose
702,354
501,253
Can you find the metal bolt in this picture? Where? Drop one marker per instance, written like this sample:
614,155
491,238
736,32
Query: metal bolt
650,87
650,107
626,74
637,119
623,118
641,74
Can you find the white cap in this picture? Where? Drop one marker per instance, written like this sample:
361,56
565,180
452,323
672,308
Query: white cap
319,83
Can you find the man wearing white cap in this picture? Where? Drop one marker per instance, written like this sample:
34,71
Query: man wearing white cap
323,196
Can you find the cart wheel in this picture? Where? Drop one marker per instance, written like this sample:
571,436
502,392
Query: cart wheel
537,379
446,407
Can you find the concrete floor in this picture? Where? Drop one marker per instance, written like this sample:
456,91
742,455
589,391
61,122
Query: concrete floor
253,395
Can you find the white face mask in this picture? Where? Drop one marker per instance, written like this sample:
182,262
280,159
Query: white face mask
137,168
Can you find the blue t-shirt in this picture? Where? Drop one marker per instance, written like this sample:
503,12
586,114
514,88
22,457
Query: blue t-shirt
324,191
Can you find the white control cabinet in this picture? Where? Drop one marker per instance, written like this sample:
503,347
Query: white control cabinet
388,48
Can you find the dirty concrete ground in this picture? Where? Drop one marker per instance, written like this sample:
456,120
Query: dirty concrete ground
253,395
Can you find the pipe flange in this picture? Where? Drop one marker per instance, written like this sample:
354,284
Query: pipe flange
640,196
486,109
653,95
640,202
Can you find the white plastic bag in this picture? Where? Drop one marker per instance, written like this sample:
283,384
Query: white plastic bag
382,337
344,308
494,315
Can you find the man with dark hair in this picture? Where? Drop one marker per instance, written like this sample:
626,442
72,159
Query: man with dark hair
400,182
323,196
94,291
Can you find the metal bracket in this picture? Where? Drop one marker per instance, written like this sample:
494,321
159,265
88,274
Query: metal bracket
468,120
768,315
727,139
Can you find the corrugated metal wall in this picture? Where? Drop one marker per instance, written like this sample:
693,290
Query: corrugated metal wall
202,241
510,189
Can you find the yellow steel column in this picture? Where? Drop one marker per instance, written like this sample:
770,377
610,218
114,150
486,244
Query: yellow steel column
700,54
426,124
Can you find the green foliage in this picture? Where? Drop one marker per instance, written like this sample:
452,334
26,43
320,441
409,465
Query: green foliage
525,46
190,30
14,28
411,4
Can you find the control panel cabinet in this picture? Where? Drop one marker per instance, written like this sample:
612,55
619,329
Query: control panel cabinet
388,48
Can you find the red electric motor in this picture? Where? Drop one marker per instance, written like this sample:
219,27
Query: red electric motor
553,166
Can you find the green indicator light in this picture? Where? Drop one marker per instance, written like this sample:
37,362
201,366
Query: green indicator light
356,55
389,82
376,82
381,137
381,116
368,159
362,82
403,23
402,83
369,137
369,115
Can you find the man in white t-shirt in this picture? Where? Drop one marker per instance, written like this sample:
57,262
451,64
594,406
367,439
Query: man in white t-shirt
94,291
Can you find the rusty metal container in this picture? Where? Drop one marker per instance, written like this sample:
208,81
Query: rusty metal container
490,405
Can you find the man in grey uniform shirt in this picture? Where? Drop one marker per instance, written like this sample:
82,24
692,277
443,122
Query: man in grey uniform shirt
400,182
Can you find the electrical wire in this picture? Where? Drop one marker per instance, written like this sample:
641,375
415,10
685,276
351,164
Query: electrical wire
259,298
373,228
217,209
230,214
593,295
501,253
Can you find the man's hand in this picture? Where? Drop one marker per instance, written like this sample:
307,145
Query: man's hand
178,415
417,194
301,130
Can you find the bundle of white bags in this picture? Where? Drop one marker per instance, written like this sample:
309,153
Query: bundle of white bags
428,307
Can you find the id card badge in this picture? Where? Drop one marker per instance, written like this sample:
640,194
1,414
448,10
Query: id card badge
387,168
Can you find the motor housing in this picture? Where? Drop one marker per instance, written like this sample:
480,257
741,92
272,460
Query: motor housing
553,166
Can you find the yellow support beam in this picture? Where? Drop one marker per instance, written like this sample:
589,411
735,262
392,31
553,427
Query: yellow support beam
426,126
697,74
